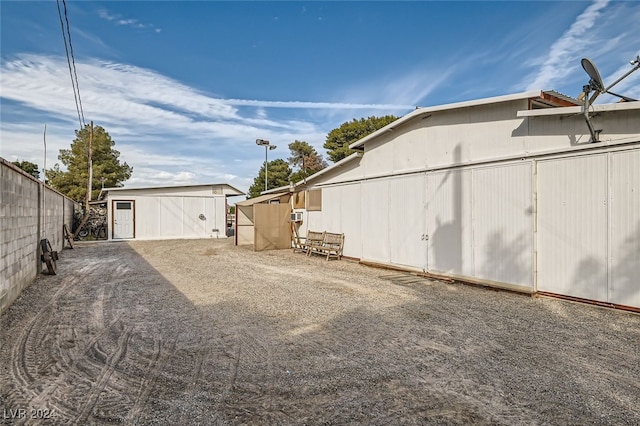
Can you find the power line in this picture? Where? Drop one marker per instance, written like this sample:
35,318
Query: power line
73,61
72,69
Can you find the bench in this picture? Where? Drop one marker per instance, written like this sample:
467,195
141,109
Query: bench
324,243
312,239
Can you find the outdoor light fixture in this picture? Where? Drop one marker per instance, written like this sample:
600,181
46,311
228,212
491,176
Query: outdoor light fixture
267,147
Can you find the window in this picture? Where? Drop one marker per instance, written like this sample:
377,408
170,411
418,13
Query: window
314,200
124,205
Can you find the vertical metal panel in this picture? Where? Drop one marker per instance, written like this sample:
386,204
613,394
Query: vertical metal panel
448,217
375,220
572,226
407,221
170,217
147,217
350,199
410,147
377,160
624,228
503,223
216,217
314,222
331,210
193,225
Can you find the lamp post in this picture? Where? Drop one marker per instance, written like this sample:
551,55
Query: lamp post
267,147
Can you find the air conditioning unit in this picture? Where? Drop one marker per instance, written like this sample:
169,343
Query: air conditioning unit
296,217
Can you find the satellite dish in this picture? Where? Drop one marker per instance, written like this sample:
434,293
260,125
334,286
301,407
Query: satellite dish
597,85
596,80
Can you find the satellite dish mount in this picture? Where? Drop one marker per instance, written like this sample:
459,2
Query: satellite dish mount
596,85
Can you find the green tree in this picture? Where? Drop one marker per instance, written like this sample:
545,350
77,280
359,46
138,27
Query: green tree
107,169
278,175
306,159
338,140
28,167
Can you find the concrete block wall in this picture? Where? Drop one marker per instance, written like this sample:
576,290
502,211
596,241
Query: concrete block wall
29,210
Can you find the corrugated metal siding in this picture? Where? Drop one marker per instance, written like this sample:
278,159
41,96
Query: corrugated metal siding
503,224
377,160
350,199
179,217
624,277
314,222
375,220
407,221
170,217
572,226
448,214
332,209
193,225
147,214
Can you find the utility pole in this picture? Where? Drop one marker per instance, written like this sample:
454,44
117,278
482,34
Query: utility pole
89,186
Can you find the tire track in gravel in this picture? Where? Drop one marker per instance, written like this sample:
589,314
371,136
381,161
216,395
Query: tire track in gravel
105,374
48,391
25,349
162,353
193,379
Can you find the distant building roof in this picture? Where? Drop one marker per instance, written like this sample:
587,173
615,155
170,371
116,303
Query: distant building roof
232,191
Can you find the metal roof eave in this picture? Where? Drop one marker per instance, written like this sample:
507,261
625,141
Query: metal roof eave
123,188
260,199
619,106
427,110
314,176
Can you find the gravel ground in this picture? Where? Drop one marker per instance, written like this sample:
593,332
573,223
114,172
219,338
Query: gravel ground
203,332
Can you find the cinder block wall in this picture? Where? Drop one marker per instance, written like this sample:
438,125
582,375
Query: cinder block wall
28,211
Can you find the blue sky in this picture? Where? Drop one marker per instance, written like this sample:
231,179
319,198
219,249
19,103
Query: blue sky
185,88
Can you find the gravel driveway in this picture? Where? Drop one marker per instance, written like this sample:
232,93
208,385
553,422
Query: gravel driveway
203,332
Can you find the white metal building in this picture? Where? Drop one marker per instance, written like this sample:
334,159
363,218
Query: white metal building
193,211
506,191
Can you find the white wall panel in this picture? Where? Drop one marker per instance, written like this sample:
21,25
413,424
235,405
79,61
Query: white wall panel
624,228
375,220
407,221
193,225
331,209
171,216
572,226
376,161
503,223
147,216
350,202
448,217
313,222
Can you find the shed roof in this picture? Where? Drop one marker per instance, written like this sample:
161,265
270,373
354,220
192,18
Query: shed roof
260,199
230,192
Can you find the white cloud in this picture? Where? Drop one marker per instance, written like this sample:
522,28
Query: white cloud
164,128
562,57
119,20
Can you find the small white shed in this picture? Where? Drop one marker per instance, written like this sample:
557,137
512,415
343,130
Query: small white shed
170,212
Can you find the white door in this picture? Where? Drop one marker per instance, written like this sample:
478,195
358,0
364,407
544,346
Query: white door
408,243
572,226
123,219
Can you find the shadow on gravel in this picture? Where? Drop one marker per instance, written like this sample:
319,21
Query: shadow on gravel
110,340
